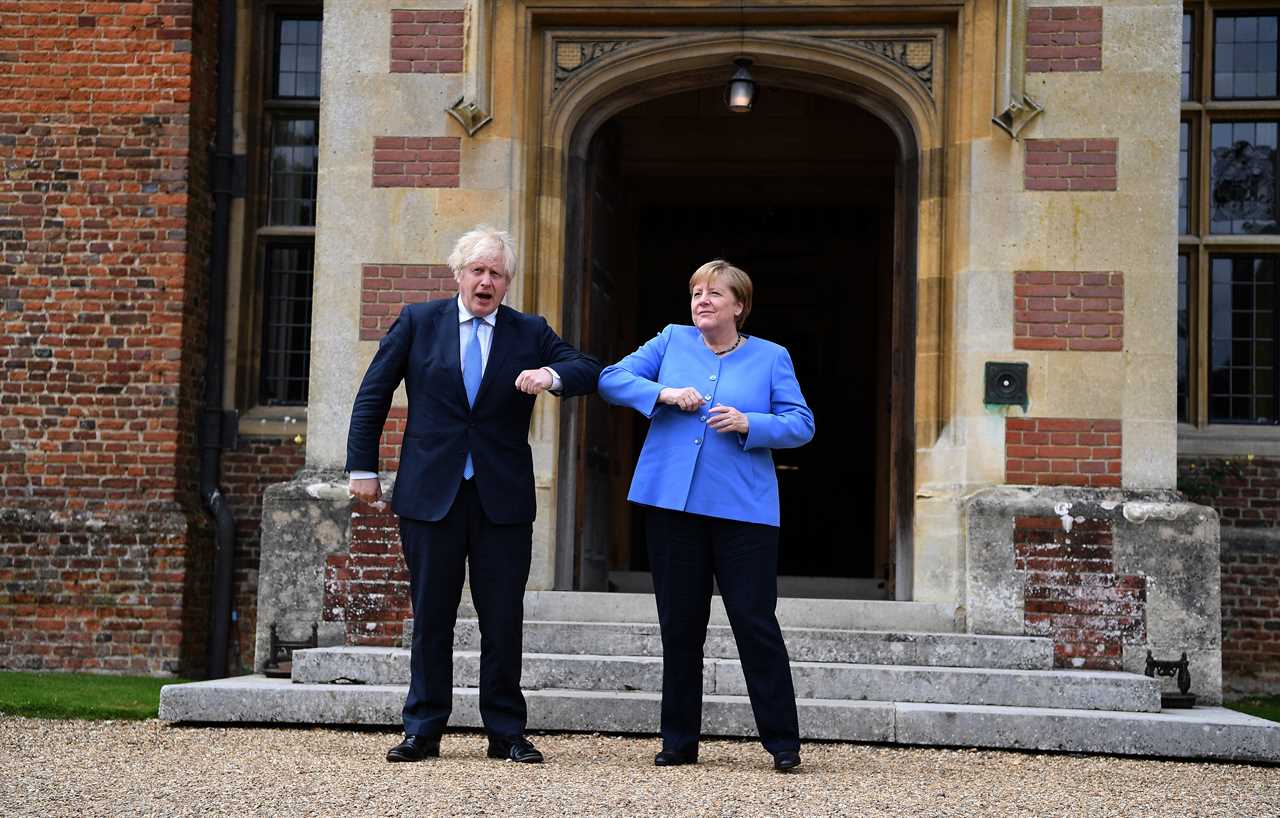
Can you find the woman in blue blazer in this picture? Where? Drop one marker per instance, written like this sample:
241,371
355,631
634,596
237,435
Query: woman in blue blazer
719,402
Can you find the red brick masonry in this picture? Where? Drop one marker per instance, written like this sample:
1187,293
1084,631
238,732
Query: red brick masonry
426,41
1068,310
1062,452
425,161
1250,615
386,288
1064,38
106,114
368,588
1072,593
1071,164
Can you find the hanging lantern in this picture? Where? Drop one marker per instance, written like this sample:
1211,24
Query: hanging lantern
742,88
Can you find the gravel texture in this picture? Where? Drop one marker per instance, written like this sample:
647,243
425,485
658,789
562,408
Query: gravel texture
56,768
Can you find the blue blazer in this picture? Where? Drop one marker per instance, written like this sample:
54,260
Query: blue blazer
686,465
421,348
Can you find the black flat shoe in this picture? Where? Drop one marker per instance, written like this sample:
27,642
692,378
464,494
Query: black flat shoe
672,758
515,748
415,748
785,760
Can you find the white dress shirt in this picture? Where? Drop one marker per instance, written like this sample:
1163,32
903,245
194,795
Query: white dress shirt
487,324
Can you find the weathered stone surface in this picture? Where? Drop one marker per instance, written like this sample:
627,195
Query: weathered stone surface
818,680
1204,732
803,644
1156,535
303,522
1077,689
872,615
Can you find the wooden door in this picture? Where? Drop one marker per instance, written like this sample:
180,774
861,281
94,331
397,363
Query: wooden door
600,260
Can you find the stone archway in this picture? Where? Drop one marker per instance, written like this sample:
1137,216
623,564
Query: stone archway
855,67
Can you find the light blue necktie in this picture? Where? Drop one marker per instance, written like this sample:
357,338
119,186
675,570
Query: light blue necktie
472,372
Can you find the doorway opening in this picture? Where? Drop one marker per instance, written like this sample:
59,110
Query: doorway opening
801,194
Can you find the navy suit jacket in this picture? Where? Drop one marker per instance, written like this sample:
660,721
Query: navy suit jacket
421,348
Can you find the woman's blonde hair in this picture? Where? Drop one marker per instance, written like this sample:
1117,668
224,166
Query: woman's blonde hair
737,280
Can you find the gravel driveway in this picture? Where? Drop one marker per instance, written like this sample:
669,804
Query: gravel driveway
56,768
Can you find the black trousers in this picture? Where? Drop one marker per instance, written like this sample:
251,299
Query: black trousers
498,556
685,552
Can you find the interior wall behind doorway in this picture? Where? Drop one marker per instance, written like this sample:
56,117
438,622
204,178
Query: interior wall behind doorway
799,193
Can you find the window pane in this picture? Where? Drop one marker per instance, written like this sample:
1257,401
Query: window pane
1184,173
1188,31
298,58
1244,57
1184,335
286,334
1243,179
1242,339
294,162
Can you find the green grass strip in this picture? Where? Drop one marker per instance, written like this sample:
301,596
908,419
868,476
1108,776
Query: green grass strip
1264,707
80,695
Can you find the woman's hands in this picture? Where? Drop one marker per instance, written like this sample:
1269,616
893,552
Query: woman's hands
723,418
687,399
727,419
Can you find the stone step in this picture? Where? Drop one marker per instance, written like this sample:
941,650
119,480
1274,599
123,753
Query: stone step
803,644
793,612
1200,733
1093,690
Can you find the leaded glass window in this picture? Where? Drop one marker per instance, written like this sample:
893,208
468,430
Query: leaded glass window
286,358
1242,339
1243,181
297,71
1184,175
1244,59
1184,334
294,163
1228,215
1188,30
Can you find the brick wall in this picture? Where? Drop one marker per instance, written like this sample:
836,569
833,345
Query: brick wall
1062,452
105,118
1250,614
1064,38
1073,594
426,41
426,161
386,288
368,587
1055,310
1246,493
1070,164
256,463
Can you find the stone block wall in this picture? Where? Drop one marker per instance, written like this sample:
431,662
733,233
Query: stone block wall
1107,574
106,113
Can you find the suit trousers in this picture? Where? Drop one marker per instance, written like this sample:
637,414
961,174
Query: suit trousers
498,557
685,552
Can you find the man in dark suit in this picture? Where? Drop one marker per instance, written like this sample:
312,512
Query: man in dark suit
464,492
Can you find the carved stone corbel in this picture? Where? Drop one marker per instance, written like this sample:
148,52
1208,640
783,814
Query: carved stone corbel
1014,109
472,109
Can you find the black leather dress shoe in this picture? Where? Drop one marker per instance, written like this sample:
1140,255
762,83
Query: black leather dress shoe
673,758
414,748
515,748
785,760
